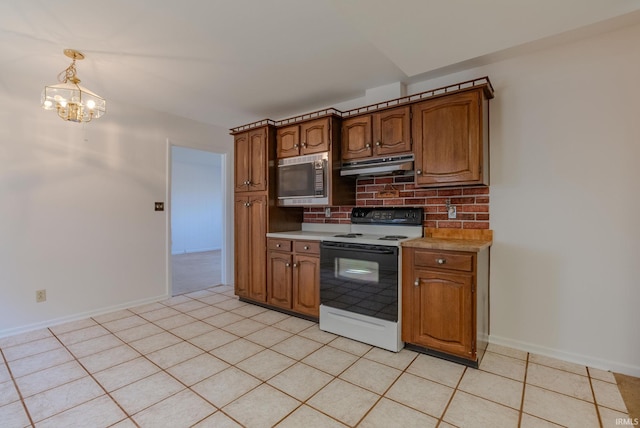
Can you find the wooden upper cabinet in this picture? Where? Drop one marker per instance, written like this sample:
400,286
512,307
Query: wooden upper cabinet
304,139
356,138
392,131
448,134
288,141
251,161
380,134
315,136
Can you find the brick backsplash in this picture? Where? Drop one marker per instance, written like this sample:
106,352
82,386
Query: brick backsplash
472,203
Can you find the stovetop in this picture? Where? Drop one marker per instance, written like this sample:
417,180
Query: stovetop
388,226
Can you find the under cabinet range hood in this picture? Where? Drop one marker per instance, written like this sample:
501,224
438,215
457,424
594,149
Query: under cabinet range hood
379,166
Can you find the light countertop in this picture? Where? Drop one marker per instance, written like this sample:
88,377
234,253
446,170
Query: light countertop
450,244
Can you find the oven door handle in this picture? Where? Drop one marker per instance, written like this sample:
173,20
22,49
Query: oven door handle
360,249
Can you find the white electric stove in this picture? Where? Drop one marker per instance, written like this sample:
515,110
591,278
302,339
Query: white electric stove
360,275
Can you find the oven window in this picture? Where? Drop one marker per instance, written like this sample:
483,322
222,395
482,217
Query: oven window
359,270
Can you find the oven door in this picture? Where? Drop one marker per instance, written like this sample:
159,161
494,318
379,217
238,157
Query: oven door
360,278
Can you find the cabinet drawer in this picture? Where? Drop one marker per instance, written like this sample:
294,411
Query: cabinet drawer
443,260
279,244
307,247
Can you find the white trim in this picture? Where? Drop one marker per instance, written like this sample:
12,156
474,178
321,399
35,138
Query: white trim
585,360
167,232
80,316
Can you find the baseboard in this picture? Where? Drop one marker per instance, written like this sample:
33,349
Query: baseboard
584,360
195,250
62,320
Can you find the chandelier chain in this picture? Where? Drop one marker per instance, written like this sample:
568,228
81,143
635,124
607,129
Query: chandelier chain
69,74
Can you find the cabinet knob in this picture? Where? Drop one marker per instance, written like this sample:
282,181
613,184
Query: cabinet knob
441,261
418,172
416,283
368,145
306,247
287,264
278,245
378,143
247,204
246,182
304,145
296,145
295,265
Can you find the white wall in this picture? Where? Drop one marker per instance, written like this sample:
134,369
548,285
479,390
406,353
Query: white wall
196,201
77,208
565,200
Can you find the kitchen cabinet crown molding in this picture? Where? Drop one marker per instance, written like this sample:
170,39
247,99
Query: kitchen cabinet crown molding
481,82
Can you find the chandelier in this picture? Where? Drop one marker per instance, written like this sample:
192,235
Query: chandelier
71,101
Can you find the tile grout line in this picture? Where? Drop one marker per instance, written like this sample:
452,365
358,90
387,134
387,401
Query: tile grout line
441,419
595,401
524,387
15,385
77,360
220,409
386,390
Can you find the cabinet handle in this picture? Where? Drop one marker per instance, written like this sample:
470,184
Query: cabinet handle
247,204
304,145
295,265
246,182
278,245
368,145
416,283
378,143
441,261
287,264
418,172
296,145
306,247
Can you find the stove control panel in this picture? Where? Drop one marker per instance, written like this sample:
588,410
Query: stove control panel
387,215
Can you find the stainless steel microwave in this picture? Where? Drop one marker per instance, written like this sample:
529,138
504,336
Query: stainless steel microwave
303,180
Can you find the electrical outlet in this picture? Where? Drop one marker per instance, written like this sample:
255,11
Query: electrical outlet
451,211
327,212
41,296
159,206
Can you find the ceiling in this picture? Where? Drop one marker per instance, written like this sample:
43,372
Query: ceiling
229,62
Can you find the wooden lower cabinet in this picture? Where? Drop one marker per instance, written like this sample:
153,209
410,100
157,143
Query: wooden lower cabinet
293,275
250,246
445,302
306,285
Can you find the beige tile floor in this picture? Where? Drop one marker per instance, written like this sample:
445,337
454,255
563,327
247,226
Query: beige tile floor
206,359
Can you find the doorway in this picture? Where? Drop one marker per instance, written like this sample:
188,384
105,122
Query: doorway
197,219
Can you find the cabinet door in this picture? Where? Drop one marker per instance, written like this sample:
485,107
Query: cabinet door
288,141
242,245
448,140
392,131
315,136
306,280
242,168
279,279
443,316
256,263
258,160
356,138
